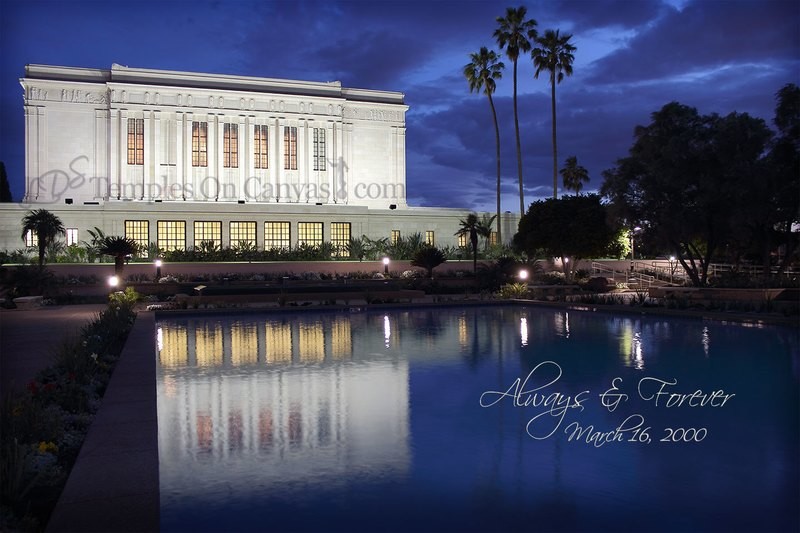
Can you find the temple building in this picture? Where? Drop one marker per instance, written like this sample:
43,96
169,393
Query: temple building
179,158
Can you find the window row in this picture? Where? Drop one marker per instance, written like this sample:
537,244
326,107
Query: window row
70,234
171,234
230,145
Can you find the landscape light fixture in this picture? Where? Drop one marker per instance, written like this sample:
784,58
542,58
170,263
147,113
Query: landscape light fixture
386,265
158,264
113,282
523,274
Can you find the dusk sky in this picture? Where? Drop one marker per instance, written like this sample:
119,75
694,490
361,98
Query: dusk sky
633,56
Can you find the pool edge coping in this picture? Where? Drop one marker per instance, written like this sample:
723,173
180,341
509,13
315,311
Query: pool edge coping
114,484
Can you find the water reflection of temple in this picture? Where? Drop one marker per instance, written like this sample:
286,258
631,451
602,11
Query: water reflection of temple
276,401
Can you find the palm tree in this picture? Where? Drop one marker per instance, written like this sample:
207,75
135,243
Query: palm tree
469,226
485,228
119,248
514,34
46,226
555,55
574,175
482,72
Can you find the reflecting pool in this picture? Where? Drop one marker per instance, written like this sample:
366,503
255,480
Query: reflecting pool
495,418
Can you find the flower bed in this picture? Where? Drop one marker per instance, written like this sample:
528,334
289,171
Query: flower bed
44,426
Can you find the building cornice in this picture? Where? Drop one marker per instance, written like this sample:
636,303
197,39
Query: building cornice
152,77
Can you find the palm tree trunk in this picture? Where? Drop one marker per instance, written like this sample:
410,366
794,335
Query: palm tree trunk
497,144
519,149
555,149
119,266
42,251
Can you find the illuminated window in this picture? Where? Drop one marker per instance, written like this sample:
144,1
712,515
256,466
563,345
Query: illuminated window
429,238
340,238
207,232
243,234
309,233
276,235
199,144
261,146
139,232
462,240
72,236
171,235
290,148
230,146
136,141
395,236
493,238
31,239
319,149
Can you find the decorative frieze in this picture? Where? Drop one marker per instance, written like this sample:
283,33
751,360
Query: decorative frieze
382,115
82,97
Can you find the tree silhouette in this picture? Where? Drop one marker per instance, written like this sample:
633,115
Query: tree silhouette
5,190
514,33
555,55
46,226
119,248
574,175
470,226
482,72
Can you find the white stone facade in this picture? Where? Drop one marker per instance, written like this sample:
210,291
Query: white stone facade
110,148
132,135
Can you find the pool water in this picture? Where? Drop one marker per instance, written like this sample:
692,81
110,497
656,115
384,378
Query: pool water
492,418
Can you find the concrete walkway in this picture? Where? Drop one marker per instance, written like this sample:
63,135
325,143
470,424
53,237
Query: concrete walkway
28,339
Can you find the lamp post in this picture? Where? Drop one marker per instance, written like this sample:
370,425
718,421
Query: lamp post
523,275
386,266
158,264
113,283
635,230
672,266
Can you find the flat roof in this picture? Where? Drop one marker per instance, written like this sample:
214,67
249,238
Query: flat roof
175,78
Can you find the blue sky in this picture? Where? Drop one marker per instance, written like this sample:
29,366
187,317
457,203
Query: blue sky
633,56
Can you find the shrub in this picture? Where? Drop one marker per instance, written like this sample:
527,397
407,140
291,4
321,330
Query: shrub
513,291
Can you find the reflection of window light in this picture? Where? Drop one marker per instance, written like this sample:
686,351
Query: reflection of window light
387,330
523,330
706,340
311,342
244,344
636,351
462,331
208,345
279,343
160,339
341,339
566,324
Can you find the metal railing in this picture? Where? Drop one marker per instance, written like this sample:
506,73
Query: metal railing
629,277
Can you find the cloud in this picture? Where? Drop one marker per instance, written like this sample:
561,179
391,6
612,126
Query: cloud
704,36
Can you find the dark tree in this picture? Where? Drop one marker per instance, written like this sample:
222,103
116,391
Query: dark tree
574,227
120,248
685,180
45,226
471,226
514,34
482,72
428,257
